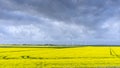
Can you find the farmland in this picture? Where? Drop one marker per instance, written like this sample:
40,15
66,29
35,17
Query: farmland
14,56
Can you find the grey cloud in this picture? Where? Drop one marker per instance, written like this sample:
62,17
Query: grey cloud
59,19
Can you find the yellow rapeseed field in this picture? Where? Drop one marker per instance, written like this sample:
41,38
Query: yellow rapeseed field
60,57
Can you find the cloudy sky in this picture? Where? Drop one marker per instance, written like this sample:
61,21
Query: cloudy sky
60,21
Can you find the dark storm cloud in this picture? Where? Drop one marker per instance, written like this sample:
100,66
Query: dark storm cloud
68,10
86,12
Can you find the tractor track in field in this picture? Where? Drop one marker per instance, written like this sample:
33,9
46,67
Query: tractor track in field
113,53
